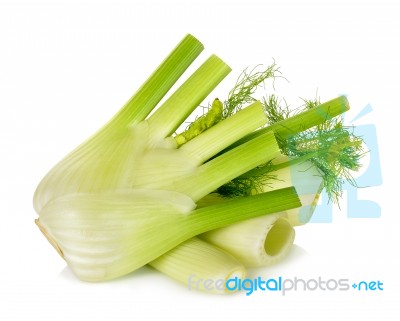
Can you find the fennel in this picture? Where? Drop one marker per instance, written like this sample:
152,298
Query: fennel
134,193
128,194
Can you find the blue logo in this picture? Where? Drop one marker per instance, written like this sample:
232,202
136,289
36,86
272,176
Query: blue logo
368,286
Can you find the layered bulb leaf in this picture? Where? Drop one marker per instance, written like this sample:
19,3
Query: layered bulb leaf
105,235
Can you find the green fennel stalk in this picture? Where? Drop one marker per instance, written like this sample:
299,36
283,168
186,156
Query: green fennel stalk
313,133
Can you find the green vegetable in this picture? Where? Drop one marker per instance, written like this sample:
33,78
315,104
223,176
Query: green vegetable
136,193
128,194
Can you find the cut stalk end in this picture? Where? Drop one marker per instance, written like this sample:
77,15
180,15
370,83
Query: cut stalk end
160,81
256,242
279,239
183,101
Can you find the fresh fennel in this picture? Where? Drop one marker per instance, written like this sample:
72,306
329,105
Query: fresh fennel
128,194
137,193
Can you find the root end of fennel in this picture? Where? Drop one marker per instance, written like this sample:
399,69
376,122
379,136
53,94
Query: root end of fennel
49,238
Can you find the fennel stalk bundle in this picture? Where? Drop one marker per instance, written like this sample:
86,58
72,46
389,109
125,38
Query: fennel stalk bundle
220,196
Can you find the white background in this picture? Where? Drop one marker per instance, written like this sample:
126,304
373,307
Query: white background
67,66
